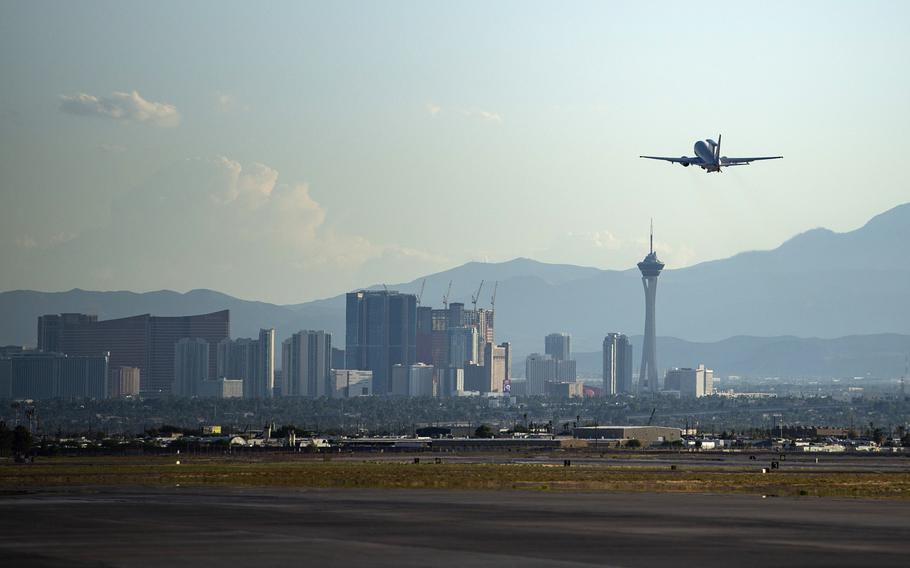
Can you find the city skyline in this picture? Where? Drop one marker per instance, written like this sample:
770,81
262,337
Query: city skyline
366,283
326,177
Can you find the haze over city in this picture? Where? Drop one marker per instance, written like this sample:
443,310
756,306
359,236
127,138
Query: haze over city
346,146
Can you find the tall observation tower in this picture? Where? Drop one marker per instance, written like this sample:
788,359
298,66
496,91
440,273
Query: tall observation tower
650,269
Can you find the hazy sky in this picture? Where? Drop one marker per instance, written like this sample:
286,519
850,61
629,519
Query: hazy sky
288,151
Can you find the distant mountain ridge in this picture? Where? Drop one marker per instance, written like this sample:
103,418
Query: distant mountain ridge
879,355
817,284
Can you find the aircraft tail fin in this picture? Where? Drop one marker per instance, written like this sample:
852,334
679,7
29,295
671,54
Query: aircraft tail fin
717,149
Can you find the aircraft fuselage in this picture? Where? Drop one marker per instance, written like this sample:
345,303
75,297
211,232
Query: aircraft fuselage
706,153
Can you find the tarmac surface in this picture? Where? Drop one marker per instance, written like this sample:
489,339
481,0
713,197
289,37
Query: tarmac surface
828,463
184,526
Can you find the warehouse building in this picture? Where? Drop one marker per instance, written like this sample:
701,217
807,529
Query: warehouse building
647,435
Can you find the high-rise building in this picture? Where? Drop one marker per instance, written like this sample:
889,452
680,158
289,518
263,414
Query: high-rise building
650,269
439,347
539,370
143,341
424,335
40,375
380,331
306,364
236,358
497,366
264,382
126,383
451,381
338,358
556,345
482,321
279,381
456,315
462,346
400,380
485,325
251,360
50,329
617,364
543,369
566,370
434,337
415,380
191,366
475,377
421,380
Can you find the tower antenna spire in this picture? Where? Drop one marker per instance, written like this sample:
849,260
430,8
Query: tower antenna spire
652,234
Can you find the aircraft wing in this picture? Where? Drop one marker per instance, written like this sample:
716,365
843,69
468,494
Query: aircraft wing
736,161
685,161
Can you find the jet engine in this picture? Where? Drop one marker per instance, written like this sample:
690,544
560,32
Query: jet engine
684,164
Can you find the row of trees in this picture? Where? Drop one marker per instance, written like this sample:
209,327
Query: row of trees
379,415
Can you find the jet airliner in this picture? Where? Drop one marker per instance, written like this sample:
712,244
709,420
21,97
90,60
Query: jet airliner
707,157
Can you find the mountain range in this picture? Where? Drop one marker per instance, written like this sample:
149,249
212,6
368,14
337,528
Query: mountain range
819,284
882,355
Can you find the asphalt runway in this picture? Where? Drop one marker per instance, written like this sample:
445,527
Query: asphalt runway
233,527
827,463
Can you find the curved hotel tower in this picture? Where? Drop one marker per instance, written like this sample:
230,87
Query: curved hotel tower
650,269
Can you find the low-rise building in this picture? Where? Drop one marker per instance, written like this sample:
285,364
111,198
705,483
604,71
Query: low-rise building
350,383
221,388
565,389
647,435
690,383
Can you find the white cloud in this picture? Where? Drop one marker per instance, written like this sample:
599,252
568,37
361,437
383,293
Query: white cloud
26,242
30,242
604,249
484,115
605,240
122,106
227,103
435,110
217,223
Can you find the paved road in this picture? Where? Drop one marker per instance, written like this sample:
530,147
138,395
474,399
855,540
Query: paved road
224,527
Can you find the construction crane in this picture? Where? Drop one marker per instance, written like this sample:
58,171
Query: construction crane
445,297
420,295
651,418
476,297
493,298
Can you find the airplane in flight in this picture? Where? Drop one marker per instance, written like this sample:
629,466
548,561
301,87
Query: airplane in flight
707,157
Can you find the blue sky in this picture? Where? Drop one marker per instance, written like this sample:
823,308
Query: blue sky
288,151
